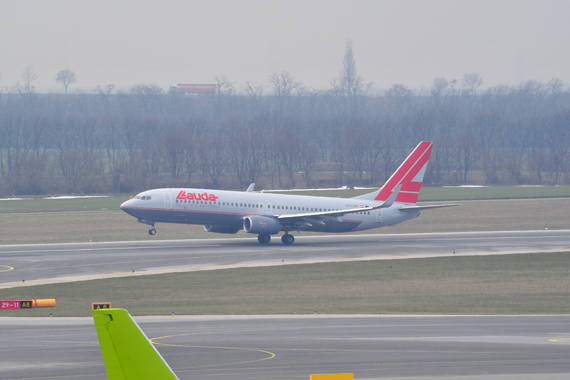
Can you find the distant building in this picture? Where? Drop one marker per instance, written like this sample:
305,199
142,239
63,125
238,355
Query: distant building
193,89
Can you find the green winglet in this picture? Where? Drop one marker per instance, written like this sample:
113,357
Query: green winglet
127,352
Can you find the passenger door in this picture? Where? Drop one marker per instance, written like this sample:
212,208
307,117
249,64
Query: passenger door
167,201
379,215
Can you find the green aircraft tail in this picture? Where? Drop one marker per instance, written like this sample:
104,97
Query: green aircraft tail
127,352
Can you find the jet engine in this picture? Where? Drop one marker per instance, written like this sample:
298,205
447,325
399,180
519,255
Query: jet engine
220,229
261,225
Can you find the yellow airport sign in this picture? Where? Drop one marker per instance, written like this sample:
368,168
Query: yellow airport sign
100,305
46,302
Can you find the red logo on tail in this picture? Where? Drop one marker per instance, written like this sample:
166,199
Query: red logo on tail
410,175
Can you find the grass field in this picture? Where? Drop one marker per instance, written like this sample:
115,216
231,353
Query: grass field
505,284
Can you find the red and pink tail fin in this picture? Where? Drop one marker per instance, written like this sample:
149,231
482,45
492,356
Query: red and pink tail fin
410,175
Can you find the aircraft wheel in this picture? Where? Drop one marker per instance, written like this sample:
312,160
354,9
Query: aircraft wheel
287,239
152,231
264,238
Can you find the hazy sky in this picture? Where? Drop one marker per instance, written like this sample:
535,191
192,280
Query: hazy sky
169,42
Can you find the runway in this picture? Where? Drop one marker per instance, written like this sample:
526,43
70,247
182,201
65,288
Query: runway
24,265
293,347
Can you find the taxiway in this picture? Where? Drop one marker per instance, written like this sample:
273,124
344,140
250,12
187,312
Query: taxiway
293,347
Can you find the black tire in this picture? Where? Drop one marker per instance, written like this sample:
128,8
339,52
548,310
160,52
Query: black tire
264,238
152,231
287,239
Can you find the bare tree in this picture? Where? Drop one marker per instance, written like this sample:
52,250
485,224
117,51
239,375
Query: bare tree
399,91
104,92
28,76
66,77
439,86
471,82
253,90
174,143
224,86
284,84
555,85
349,82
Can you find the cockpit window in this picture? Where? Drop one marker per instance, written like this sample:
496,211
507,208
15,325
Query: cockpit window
146,198
138,197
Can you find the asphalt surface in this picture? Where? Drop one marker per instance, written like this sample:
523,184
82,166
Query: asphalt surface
23,265
286,347
293,347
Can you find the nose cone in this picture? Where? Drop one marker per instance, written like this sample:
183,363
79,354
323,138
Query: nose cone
126,204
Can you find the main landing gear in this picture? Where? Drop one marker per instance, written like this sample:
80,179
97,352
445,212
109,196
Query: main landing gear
264,238
287,239
152,231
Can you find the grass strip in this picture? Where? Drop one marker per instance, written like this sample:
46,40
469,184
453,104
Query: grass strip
504,284
115,225
428,194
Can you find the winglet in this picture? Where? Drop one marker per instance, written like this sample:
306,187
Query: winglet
250,188
390,201
127,352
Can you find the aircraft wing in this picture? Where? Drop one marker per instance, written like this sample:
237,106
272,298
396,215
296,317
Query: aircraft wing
332,215
317,217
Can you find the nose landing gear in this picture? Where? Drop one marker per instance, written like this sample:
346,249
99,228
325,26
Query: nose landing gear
152,231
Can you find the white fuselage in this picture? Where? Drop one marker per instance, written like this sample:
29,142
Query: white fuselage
229,208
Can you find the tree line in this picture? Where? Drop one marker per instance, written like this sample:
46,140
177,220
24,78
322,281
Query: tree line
279,134
108,142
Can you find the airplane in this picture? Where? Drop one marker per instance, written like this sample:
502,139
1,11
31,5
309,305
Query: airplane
267,214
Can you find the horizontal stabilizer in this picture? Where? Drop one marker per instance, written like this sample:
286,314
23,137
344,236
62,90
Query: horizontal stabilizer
416,208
